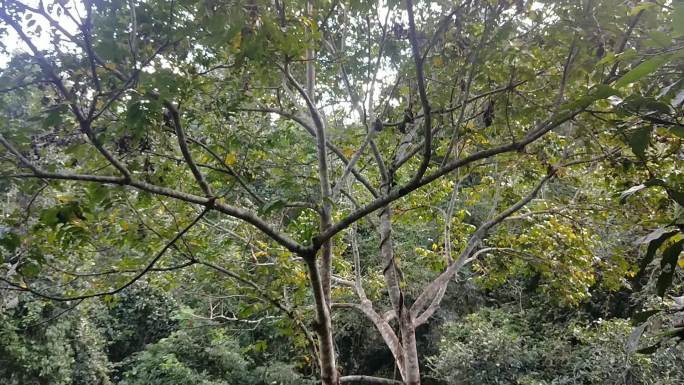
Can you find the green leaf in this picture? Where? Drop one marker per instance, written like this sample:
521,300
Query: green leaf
643,316
678,196
653,246
644,105
260,346
649,349
678,20
639,140
10,241
275,204
603,91
642,70
135,116
661,39
30,270
677,130
54,117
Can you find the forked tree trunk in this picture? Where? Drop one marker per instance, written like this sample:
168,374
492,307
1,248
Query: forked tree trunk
410,370
408,338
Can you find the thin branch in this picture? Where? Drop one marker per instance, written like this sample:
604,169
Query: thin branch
135,278
370,380
233,211
430,294
532,135
420,77
622,45
182,142
260,201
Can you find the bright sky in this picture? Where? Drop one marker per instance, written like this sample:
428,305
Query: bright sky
12,42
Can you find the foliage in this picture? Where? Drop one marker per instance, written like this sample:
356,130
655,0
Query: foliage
509,346
207,357
204,164
37,350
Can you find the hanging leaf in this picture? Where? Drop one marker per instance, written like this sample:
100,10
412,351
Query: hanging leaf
677,130
642,70
633,340
653,246
655,234
10,241
631,191
639,140
677,196
641,317
275,204
231,158
667,265
649,349
135,115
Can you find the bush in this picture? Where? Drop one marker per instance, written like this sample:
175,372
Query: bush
493,346
203,356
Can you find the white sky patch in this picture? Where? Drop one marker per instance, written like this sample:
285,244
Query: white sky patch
36,21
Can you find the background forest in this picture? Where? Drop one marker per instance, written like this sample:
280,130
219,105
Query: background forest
326,191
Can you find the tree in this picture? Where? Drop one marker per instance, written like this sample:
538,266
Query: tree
234,134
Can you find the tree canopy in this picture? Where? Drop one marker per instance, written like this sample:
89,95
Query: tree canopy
308,172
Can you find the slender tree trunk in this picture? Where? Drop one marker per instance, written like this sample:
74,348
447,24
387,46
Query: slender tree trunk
323,326
320,274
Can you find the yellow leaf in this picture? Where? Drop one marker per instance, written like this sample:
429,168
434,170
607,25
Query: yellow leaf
124,225
437,61
231,158
78,223
237,41
681,261
110,66
348,152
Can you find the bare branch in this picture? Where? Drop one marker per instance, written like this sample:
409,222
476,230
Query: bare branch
368,380
182,142
420,77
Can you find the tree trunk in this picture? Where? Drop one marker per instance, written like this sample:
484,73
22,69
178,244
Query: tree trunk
411,370
323,326
408,339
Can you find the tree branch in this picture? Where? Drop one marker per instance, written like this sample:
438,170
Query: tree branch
368,380
139,275
182,142
236,212
420,77
404,190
